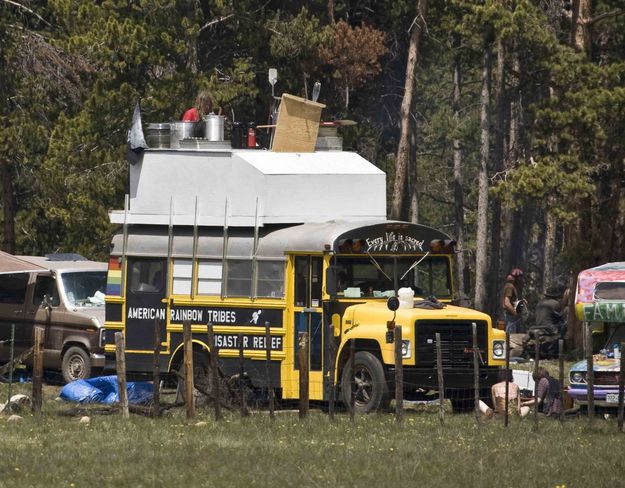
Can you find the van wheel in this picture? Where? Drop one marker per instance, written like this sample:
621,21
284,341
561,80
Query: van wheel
76,364
369,384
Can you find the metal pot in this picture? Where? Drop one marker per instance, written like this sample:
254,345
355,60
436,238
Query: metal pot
214,127
158,136
179,131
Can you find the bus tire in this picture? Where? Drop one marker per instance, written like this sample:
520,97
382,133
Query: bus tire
76,364
201,376
370,389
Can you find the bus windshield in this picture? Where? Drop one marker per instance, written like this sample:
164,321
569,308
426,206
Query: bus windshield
85,288
372,276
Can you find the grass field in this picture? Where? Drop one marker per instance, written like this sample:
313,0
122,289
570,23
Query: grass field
58,451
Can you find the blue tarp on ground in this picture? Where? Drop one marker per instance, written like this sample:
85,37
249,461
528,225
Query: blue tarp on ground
103,389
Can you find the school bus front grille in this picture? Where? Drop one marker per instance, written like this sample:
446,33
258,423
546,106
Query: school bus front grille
456,343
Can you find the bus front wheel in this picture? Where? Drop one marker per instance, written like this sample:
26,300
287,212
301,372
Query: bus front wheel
367,383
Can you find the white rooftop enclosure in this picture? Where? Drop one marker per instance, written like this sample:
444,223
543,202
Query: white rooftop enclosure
290,188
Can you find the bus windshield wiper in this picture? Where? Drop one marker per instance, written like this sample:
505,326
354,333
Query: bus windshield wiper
375,263
413,265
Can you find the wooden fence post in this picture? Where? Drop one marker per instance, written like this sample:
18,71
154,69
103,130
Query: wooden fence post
621,386
399,376
214,371
38,371
441,380
11,359
243,406
590,374
270,391
476,374
561,375
156,374
536,381
303,375
120,365
188,368
352,397
507,395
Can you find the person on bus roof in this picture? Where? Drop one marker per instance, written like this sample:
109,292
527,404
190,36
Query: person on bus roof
203,106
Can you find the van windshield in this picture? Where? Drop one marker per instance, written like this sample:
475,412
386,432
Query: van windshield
85,288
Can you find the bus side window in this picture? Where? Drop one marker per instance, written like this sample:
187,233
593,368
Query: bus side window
146,276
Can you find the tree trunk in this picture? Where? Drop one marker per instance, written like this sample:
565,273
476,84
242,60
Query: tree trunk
458,176
412,179
481,252
550,246
8,205
495,234
580,26
510,217
401,164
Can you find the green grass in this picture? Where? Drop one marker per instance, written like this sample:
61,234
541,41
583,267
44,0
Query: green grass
373,451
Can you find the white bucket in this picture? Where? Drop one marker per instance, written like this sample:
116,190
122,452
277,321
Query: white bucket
406,297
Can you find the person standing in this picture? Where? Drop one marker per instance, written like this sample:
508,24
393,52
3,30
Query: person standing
512,302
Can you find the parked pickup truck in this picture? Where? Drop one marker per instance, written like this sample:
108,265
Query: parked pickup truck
63,293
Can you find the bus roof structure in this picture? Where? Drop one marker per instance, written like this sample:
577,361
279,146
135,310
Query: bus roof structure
253,188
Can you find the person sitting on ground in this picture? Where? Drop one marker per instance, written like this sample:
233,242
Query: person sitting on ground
203,106
549,394
498,392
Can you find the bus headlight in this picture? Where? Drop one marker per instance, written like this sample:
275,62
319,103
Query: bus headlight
499,349
406,352
578,377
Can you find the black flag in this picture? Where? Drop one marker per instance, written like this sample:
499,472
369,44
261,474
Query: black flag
136,141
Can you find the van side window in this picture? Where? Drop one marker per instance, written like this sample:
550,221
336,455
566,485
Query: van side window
146,276
46,285
13,288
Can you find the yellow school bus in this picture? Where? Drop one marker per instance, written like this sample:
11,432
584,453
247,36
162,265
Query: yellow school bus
240,238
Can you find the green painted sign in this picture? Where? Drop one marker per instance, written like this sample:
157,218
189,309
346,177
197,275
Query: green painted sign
604,312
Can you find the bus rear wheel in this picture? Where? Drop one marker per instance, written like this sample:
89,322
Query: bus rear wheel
201,377
368,384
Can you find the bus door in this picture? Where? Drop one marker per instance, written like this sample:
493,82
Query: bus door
146,288
308,317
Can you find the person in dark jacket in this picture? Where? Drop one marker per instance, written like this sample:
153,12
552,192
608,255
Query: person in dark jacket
551,311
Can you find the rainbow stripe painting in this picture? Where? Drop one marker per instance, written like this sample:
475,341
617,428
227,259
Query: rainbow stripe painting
114,278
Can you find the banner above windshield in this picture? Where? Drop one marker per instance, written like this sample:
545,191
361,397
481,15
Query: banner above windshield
394,238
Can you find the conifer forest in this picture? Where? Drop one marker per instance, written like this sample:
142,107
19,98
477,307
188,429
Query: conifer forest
500,122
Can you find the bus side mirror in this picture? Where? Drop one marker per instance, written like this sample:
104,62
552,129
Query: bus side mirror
332,277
